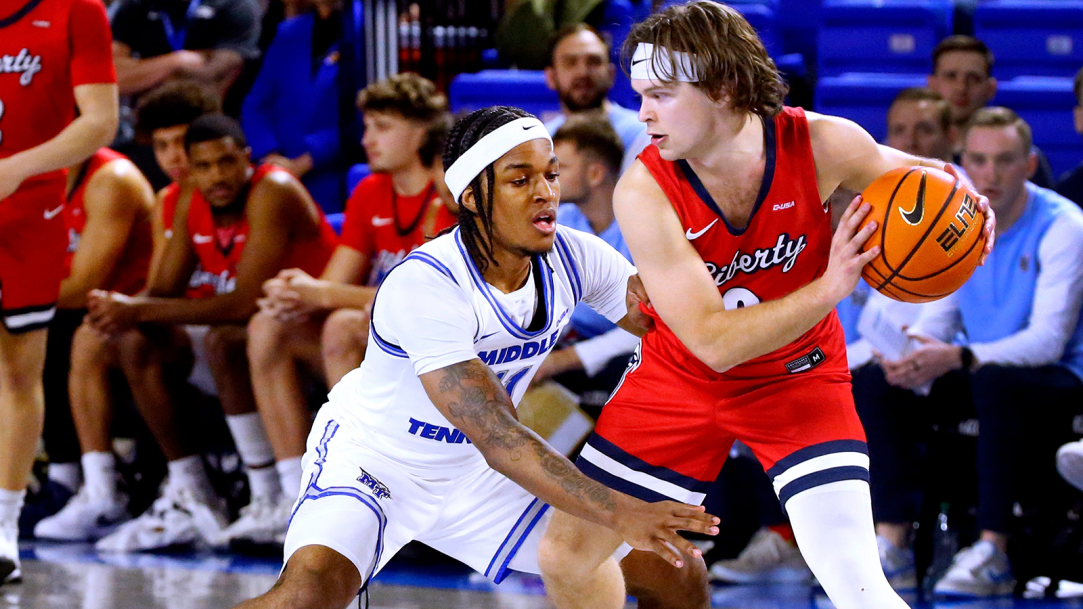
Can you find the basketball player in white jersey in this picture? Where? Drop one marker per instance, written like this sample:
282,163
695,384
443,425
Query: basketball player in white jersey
422,442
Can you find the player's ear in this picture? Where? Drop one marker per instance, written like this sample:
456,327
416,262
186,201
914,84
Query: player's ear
467,200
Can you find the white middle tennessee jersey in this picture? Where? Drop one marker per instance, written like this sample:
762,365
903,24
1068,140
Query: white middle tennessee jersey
435,309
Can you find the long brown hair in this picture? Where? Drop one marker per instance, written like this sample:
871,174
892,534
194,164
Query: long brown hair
728,56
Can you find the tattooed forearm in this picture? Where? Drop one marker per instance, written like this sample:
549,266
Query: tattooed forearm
473,399
572,480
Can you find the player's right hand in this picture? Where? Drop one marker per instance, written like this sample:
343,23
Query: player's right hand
847,260
653,527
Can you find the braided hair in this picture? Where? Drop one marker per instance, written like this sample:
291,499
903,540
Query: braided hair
465,134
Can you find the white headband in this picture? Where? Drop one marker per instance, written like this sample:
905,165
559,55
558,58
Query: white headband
647,59
490,148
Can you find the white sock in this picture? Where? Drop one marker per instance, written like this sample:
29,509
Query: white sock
189,473
67,474
834,530
11,503
289,475
100,469
250,437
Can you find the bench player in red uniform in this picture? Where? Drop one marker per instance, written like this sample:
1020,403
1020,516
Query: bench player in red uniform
725,218
55,57
241,225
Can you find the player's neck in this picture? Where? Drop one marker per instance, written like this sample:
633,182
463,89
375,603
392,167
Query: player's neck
733,143
599,208
511,271
411,180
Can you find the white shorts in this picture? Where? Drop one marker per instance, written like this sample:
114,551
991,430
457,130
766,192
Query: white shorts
366,507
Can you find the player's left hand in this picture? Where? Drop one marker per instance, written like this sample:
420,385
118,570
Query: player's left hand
110,312
929,362
11,177
983,205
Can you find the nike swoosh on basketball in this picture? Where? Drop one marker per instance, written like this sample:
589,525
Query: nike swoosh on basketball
51,213
914,216
688,234
202,238
378,221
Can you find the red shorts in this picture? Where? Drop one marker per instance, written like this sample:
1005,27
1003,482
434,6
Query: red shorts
667,431
33,245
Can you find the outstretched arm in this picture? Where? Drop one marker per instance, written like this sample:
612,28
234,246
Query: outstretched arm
471,397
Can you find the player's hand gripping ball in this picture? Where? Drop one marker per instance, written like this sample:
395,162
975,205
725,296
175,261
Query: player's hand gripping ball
930,233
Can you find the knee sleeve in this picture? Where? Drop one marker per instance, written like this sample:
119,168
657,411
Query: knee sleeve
834,530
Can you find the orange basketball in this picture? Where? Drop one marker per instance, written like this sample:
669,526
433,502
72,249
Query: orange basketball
929,232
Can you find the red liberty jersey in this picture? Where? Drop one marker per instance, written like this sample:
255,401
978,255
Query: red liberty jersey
385,226
219,248
785,246
47,48
130,273
170,198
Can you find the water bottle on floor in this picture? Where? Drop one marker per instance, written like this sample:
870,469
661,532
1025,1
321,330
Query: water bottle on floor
945,545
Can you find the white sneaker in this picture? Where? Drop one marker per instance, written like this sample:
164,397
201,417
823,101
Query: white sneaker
10,570
768,558
264,520
981,570
1070,463
898,564
177,518
85,518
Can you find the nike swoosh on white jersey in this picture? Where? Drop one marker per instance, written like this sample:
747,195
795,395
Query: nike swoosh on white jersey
51,213
378,221
688,234
202,238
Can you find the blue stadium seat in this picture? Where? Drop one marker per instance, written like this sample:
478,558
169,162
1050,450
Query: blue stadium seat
522,88
863,98
1032,37
896,36
336,220
1046,104
356,173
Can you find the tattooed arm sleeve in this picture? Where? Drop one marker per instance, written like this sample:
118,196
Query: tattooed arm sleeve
472,399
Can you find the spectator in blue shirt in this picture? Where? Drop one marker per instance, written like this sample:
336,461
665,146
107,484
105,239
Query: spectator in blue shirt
580,72
1071,183
291,116
593,356
1020,314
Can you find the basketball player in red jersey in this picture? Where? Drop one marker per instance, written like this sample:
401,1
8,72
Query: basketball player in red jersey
108,220
241,225
54,57
163,115
320,324
725,219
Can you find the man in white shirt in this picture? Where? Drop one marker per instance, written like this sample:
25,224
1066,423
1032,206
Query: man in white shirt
422,442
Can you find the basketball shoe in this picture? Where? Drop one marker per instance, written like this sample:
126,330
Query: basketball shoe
180,517
9,552
264,520
981,570
768,558
1070,463
898,564
86,517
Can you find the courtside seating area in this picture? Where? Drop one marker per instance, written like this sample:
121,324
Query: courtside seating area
858,54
